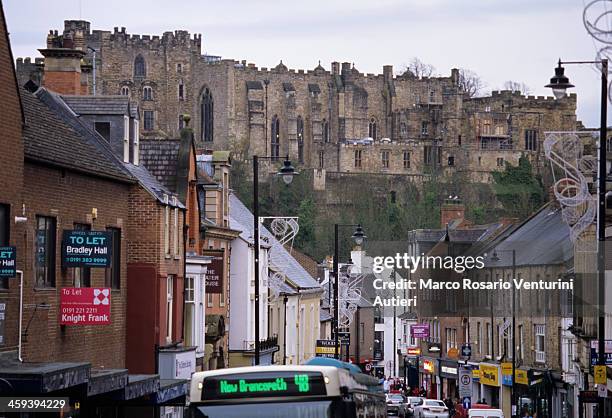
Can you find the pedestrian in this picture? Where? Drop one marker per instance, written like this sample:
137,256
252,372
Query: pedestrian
386,384
423,392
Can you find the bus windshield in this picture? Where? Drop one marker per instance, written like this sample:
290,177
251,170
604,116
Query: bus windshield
312,409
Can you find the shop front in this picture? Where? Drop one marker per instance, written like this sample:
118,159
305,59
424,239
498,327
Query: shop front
448,373
428,380
475,368
490,384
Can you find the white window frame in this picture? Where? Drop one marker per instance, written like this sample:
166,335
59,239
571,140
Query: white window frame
136,142
175,230
539,331
166,226
190,298
125,91
169,307
147,93
209,300
126,139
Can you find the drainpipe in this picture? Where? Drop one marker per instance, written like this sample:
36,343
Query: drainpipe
285,299
20,272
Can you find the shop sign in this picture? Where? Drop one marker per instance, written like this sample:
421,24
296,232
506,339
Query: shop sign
453,353
595,352
8,262
506,371
419,331
428,366
177,364
449,370
599,373
413,351
86,248
589,396
214,272
489,375
521,377
85,306
476,374
325,348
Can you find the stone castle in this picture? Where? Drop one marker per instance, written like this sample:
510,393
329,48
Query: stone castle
338,121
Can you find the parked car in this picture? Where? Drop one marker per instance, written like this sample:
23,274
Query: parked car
396,405
431,408
413,401
486,413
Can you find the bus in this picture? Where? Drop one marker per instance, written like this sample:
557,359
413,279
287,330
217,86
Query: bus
308,391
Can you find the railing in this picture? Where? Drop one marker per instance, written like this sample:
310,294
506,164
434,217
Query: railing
266,344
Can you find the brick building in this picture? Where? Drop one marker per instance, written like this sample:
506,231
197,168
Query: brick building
338,120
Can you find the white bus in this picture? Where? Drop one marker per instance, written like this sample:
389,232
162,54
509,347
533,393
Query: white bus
286,391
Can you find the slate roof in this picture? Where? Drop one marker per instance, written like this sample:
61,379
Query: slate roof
98,105
160,157
53,135
151,185
278,254
324,316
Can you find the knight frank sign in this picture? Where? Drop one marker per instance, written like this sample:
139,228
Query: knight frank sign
86,248
85,306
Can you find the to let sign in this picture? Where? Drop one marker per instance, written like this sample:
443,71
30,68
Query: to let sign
214,272
419,331
8,257
85,306
86,248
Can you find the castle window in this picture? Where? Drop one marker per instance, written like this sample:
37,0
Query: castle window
372,129
357,158
148,120
275,138
125,91
325,130
459,140
385,159
206,116
406,159
451,160
424,127
181,122
403,129
179,68
321,159
181,90
531,139
140,69
500,162
432,155
300,138
432,96
147,93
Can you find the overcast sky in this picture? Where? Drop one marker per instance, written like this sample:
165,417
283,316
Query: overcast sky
501,40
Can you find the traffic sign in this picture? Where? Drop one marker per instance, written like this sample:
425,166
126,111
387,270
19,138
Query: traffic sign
467,403
465,382
466,350
368,367
602,391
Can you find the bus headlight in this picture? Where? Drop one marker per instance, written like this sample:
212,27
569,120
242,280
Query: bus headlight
200,385
326,380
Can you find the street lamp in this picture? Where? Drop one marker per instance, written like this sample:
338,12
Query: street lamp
559,84
358,236
287,173
513,403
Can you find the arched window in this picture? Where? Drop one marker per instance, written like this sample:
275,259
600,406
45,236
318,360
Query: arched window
372,129
275,138
125,91
300,138
206,116
147,93
325,130
140,69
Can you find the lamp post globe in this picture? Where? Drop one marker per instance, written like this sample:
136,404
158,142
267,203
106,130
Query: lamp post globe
359,236
287,172
559,82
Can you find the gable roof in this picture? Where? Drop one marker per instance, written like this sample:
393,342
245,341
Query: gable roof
99,105
160,157
279,256
151,185
53,135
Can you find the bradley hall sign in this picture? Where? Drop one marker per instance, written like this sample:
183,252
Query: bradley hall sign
86,248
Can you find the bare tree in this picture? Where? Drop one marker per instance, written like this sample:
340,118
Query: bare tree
419,69
517,86
470,82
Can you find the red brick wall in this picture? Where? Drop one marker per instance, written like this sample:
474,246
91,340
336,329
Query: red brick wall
70,197
63,82
11,161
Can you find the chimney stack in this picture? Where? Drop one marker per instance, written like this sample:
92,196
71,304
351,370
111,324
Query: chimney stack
452,209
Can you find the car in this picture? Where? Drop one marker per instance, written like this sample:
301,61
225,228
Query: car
396,405
413,401
431,408
486,413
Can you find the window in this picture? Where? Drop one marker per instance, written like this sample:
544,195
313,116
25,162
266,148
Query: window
321,159
140,69
103,128
45,251
147,93
148,120
179,68
403,129
222,299
275,137
113,273
500,162
451,338
459,140
166,227
181,90
424,127
479,160
300,138
175,229
406,159
372,129
169,307
521,340
361,332
125,91
181,122
5,236
431,154
479,336
82,275
385,159
540,338
358,158
190,321
432,96
207,116
490,339
531,139
486,127
451,160
325,130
